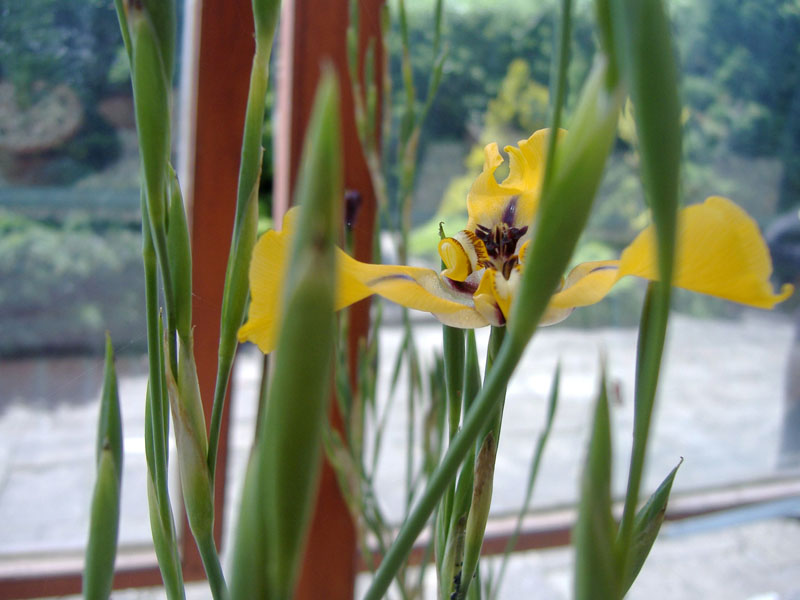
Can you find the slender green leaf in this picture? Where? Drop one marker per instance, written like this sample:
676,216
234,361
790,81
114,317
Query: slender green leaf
481,411
180,257
647,61
494,585
101,549
454,346
151,87
472,372
163,15
644,50
558,84
109,429
292,430
265,14
245,227
646,527
596,573
190,440
565,205
151,79
122,17
652,336
566,201
192,445
478,512
162,524
248,577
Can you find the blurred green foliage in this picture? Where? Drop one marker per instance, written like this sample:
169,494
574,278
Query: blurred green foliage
482,44
48,43
58,42
740,84
65,284
741,78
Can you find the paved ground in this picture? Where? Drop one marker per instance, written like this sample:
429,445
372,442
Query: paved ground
721,407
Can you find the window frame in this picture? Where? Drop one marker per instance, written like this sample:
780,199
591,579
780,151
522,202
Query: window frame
221,50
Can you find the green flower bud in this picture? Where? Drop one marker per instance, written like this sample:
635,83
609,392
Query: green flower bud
101,549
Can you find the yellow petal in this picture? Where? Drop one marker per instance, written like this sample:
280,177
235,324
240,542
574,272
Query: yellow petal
505,289
486,184
586,284
420,289
553,315
485,299
267,274
487,199
462,254
719,252
523,251
526,163
413,287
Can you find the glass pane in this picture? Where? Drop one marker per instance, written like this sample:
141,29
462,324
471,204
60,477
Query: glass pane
725,402
70,269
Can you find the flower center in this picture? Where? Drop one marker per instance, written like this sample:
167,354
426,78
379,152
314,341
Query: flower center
501,245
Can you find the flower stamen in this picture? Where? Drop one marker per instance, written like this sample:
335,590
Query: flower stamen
501,244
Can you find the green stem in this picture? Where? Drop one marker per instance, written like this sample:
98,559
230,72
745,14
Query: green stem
236,287
164,535
210,557
481,411
408,78
410,408
159,414
652,335
494,586
486,455
495,343
560,77
158,240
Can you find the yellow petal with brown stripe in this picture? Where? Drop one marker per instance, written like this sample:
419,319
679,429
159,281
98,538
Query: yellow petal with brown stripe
719,252
416,288
413,287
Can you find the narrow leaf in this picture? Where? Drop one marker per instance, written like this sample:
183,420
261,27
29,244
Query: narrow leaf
290,447
109,429
566,201
248,578
646,527
101,550
180,257
644,50
494,585
454,346
594,534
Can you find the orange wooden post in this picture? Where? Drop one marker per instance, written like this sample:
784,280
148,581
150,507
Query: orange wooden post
226,49
314,32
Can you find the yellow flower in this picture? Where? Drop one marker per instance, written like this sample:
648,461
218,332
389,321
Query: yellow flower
719,252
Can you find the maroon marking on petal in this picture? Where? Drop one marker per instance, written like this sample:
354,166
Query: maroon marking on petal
604,268
510,211
462,287
509,265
